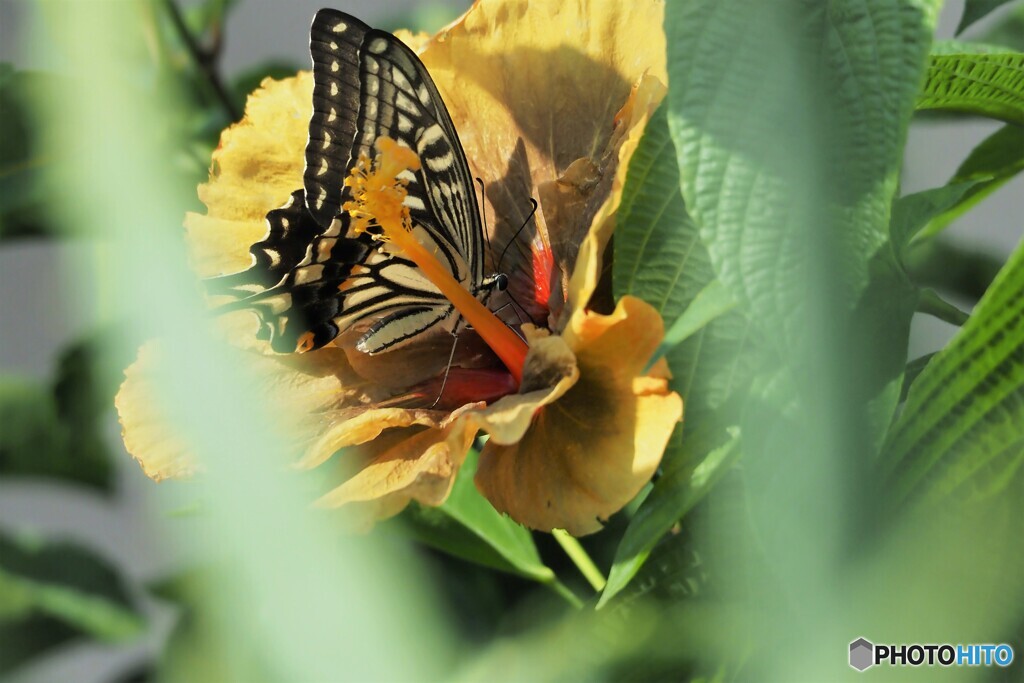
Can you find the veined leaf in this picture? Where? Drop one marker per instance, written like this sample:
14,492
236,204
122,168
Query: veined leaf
962,429
659,257
749,130
990,165
710,347
975,10
982,83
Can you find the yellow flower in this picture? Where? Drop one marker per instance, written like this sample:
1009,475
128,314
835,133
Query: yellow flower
550,101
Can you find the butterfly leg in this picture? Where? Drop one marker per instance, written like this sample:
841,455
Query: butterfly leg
447,370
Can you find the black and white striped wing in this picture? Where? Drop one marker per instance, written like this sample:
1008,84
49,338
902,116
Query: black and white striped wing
311,279
293,281
367,83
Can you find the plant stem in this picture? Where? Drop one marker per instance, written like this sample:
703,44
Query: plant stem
581,559
932,304
562,590
204,62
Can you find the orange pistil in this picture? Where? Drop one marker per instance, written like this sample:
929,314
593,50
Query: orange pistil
378,195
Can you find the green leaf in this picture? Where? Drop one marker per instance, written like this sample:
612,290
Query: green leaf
50,593
23,167
962,428
990,165
673,495
749,124
912,212
59,431
710,303
975,10
981,83
659,258
1009,32
469,527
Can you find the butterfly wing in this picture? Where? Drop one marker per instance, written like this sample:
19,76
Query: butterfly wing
310,278
367,83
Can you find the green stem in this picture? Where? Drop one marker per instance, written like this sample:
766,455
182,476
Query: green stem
932,304
204,61
580,558
562,590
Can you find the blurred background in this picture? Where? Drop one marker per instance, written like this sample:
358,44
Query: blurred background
49,323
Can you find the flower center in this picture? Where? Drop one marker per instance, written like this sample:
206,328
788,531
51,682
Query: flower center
378,194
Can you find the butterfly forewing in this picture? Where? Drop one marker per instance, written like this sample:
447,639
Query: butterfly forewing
393,95
311,279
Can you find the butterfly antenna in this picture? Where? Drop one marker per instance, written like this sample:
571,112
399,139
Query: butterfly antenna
516,236
483,215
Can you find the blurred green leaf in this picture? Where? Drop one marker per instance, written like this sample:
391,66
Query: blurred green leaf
673,495
468,527
998,159
912,212
961,432
59,431
982,83
1009,32
192,652
50,593
208,15
22,166
976,9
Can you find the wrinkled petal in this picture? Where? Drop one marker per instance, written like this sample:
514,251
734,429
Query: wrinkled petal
359,425
632,118
588,453
532,88
421,467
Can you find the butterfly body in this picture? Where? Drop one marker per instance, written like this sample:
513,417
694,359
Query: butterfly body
312,277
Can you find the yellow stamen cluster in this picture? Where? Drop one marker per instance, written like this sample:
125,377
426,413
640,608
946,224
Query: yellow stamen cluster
378,194
377,190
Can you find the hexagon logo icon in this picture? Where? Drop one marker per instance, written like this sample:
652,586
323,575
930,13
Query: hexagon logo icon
862,654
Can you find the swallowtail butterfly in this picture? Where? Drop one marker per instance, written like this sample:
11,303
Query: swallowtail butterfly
312,279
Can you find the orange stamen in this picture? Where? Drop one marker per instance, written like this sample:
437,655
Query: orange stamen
378,194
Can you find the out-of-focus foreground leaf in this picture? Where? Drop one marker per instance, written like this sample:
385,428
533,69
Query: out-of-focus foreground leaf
789,121
961,433
51,593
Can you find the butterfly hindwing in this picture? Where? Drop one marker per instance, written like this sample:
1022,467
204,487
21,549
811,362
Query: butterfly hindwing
294,278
